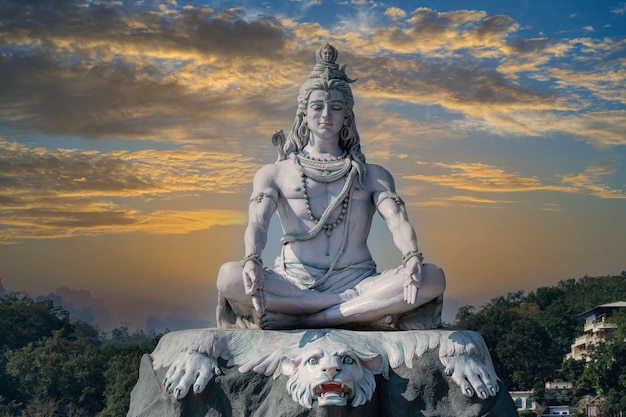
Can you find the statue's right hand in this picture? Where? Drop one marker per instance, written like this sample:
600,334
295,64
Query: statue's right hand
254,284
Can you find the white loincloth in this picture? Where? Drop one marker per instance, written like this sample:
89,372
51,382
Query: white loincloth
318,279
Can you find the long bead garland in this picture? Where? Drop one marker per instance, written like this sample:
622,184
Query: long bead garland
328,227
331,170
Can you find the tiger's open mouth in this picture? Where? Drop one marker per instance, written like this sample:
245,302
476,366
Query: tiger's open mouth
332,393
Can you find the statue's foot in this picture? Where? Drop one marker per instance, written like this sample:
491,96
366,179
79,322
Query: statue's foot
279,321
348,294
386,322
424,317
224,315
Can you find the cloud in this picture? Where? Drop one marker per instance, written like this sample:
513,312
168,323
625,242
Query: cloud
48,193
181,317
604,85
395,13
192,78
591,181
107,71
480,177
619,10
457,201
81,304
192,74
439,34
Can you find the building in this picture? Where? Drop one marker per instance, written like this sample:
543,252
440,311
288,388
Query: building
557,392
557,410
559,385
596,328
523,400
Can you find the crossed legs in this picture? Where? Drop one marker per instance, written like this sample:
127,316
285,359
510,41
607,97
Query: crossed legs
376,298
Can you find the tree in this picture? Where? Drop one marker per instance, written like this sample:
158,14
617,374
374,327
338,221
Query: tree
607,368
530,335
24,321
123,356
57,369
121,375
518,344
522,354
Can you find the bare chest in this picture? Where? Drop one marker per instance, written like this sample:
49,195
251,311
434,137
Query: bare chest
301,193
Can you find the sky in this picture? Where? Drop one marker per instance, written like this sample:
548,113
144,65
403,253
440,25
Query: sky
130,131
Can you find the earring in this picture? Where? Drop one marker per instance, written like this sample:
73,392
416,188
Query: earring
303,130
344,133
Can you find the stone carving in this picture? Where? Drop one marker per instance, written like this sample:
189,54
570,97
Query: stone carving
333,367
332,374
326,194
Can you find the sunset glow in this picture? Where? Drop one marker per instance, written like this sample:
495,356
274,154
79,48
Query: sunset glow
130,132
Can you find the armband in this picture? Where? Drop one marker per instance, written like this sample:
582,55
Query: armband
260,196
388,194
412,254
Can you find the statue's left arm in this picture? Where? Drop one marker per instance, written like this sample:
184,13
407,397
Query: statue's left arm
393,211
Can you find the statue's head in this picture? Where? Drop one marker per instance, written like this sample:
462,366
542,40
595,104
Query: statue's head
326,76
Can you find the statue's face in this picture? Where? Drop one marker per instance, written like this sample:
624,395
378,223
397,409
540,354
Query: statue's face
325,113
327,54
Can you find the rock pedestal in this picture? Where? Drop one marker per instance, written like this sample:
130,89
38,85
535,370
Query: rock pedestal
411,375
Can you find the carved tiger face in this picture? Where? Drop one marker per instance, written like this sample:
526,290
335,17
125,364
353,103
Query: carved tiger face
331,374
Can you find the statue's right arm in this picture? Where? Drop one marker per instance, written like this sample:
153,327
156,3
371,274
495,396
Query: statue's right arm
262,205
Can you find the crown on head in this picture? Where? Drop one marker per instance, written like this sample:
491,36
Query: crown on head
325,66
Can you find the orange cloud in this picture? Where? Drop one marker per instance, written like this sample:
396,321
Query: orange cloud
66,192
485,178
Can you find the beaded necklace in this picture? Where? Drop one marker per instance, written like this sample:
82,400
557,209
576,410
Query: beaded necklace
341,166
323,170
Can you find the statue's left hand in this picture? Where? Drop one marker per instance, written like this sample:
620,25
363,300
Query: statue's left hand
190,368
412,279
254,283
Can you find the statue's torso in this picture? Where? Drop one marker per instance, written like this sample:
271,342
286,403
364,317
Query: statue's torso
322,249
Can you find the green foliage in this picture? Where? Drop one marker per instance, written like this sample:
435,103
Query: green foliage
561,306
23,320
121,375
51,365
529,335
123,352
573,370
56,368
607,368
517,341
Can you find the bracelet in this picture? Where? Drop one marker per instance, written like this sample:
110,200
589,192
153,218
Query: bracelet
254,258
412,254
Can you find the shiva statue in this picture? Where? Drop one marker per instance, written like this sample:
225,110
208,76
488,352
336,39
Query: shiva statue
326,195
